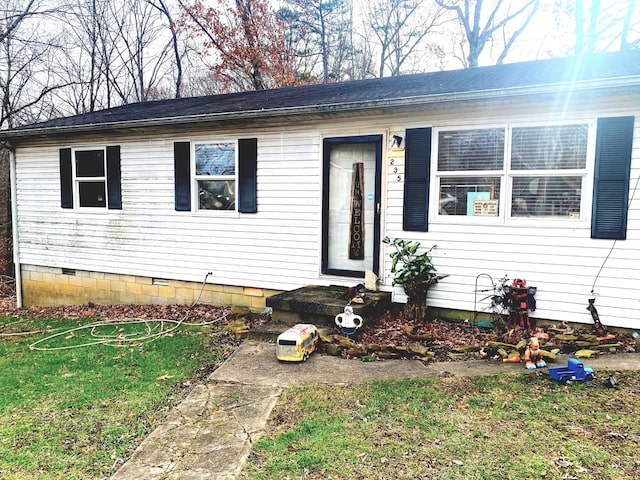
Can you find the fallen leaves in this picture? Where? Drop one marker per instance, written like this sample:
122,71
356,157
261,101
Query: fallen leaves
391,332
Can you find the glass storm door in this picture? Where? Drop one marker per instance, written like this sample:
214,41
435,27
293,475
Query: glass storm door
351,205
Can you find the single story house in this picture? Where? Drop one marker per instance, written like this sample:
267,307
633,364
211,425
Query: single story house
528,170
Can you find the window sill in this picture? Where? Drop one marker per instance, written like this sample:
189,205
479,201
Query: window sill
537,222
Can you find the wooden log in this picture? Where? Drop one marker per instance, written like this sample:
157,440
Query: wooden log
411,331
333,349
608,346
357,351
496,345
522,344
467,349
386,354
549,355
566,338
587,337
585,353
418,350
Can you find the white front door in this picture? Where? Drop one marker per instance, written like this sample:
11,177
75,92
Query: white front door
351,233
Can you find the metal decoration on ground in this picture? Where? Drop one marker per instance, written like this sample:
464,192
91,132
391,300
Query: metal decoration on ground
513,301
601,329
519,300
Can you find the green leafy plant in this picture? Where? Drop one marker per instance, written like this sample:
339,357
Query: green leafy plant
407,264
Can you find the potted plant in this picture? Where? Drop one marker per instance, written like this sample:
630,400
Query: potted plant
414,270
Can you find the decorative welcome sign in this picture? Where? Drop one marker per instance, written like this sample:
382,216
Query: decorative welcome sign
356,226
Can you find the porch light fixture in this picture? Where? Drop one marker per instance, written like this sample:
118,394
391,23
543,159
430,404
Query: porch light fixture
396,141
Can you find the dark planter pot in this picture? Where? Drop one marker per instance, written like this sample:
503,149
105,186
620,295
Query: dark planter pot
416,307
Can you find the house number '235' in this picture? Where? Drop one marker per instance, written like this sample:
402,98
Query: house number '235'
394,170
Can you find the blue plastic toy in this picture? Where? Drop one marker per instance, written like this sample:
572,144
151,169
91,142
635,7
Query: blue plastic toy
575,370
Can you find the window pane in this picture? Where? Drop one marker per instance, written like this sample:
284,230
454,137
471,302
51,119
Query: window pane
92,194
549,148
457,196
546,196
471,150
216,159
90,163
217,194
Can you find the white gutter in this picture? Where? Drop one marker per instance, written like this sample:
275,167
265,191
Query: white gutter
14,228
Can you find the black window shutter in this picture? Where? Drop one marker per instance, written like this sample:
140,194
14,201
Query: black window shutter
66,182
417,163
611,178
114,190
182,172
247,175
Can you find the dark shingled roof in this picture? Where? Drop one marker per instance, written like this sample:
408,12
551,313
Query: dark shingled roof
468,83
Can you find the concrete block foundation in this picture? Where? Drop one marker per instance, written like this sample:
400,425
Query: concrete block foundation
52,286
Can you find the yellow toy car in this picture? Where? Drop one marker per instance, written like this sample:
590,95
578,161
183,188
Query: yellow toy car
297,343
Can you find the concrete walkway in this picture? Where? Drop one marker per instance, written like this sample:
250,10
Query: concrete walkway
209,435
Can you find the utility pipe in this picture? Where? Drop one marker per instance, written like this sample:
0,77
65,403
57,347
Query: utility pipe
14,228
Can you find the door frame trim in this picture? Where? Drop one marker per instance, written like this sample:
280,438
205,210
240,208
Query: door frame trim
327,144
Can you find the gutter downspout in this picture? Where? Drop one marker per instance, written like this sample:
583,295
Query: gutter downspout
14,228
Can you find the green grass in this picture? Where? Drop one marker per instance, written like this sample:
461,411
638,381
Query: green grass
506,426
74,413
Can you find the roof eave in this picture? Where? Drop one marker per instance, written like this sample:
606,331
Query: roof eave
336,108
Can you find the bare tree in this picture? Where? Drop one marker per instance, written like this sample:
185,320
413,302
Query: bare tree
480,23
26,50
321,33
13,16
603,26
140,49
630,26
88,61
178,53
400,27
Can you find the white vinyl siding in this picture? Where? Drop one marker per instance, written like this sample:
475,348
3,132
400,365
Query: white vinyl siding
279,246
558,256
275,248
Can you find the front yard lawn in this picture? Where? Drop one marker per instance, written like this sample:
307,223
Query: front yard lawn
78,413
499,427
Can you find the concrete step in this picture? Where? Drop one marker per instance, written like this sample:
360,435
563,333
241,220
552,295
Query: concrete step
269,331
320,304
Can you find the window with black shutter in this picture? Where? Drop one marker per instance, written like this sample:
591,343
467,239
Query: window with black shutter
90,178
611,178
417,178
221,175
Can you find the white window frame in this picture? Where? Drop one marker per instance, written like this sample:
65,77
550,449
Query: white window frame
77,180
507,175
195,178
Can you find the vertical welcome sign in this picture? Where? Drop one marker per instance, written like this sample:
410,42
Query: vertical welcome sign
356,226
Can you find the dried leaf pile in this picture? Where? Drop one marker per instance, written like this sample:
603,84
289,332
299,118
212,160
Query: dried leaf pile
392,336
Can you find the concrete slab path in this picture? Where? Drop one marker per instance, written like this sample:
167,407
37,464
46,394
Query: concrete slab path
209,435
